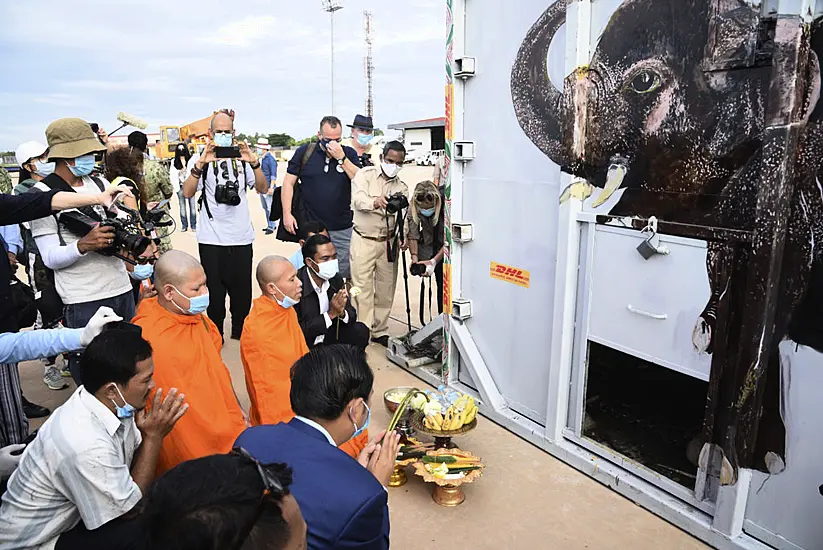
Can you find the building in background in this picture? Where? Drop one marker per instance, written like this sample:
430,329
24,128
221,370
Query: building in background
422,136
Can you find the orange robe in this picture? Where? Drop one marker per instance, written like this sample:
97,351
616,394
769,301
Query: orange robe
186,351
271,343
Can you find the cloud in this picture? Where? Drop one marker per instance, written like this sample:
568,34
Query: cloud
172,63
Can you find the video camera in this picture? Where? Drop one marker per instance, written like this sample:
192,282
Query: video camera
129,236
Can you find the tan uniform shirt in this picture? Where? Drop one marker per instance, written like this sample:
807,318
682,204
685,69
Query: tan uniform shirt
369,184
350,142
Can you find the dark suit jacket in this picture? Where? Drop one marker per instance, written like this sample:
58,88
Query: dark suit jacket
345,507
308,310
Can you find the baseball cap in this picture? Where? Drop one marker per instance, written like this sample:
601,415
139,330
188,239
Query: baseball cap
69,138
29,150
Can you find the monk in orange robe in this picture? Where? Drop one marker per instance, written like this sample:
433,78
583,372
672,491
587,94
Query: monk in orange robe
186,345
272,342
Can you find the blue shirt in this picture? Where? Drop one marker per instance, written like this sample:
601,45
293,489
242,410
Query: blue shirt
34,344
269,165
12,238
325,193
297,260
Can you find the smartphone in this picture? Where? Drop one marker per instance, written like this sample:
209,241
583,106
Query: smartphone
227,152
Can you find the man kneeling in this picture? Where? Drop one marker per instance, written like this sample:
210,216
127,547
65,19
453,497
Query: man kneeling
325,311
342,500
95,457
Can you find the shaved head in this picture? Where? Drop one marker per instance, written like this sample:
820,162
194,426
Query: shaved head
221,121
271,269
175,267
278,277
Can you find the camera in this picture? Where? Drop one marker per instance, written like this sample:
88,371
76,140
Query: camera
127,233
417,270
227,193
396,203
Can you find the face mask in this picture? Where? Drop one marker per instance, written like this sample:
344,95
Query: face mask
364,139
43,169
327,270
197,304
358,431
428,212
223,140
287,301
390,170
142,271
126,411
82,166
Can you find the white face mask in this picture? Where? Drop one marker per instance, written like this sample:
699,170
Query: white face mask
390,170
327,270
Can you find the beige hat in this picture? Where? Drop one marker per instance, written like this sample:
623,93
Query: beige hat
69,138
263,143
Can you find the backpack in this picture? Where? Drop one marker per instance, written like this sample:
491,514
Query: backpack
298,211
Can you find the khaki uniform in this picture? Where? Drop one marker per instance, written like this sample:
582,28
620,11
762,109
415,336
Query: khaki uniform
370,267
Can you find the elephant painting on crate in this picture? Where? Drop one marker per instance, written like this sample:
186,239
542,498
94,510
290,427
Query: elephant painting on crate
656,115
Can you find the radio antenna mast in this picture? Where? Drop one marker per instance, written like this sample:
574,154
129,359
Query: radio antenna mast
369,65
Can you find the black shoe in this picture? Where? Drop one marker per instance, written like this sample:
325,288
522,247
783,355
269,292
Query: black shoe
268,231
382,340
34,411
183,230
235,337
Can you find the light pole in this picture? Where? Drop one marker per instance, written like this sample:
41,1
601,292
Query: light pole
332,6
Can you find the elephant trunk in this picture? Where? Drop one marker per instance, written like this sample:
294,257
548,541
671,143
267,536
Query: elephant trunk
539,106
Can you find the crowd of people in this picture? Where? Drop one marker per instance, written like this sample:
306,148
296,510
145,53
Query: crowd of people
153,449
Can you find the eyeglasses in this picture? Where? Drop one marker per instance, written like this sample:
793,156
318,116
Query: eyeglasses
224,132
271,488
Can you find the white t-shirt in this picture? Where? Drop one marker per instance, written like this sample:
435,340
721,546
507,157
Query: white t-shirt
231,225
92,276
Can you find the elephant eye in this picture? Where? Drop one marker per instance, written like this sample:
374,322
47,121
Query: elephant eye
645,81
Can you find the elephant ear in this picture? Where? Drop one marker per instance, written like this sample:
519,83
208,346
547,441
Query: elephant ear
812,109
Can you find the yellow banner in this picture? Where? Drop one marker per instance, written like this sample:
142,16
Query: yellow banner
447,288
510,274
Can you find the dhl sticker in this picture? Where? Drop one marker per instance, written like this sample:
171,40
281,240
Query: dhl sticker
509,274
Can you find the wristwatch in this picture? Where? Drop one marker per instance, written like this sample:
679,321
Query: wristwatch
255,166
343,160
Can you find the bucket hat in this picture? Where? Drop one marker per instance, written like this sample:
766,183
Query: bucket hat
69,138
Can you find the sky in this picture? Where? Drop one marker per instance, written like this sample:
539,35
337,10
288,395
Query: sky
170,62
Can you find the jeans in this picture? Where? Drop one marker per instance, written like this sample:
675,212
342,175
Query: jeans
184,221
265,202
78,315
342,242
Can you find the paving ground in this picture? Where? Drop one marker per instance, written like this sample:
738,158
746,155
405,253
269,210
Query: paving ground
526,499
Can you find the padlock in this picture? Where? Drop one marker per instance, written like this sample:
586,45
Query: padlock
646,248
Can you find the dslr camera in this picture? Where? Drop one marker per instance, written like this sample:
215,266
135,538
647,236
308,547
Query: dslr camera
396,203
227,193
418,270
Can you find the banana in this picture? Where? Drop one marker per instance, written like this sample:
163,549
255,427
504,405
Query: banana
458,420
437,421
470,414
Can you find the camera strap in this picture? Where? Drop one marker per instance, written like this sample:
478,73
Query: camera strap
56,183
202,200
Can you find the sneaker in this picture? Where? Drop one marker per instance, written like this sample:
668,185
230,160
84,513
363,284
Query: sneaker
65,372
53,378
183,230
268,231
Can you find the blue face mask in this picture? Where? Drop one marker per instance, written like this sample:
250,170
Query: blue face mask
287,301
428,212
358,431
83,166
126,411
223,140
197,304
142,272
43,169
364,139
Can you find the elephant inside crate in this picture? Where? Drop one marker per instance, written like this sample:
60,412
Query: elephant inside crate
645,412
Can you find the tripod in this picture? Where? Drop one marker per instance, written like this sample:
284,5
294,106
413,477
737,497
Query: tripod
392,254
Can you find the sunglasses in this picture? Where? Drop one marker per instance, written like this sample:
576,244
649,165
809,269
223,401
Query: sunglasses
271,488
421,197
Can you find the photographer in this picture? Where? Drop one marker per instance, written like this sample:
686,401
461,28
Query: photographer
378,200
225,234
425,237
85,278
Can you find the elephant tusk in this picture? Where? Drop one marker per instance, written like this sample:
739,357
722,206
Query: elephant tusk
614,178
581,190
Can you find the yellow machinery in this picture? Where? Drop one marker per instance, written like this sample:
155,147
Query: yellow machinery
192,134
